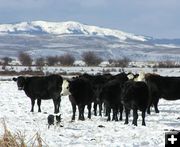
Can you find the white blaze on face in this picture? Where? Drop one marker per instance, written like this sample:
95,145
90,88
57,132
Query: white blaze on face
141,77
130,76
65,88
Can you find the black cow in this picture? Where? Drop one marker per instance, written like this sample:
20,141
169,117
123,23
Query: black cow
80,93
111,95
162,87
41,88
97,82
135,95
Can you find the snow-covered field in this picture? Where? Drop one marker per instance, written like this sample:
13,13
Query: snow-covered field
15,110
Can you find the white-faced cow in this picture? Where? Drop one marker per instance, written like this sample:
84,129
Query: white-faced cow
80,93
41,88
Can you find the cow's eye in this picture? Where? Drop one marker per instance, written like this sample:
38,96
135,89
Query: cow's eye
67,87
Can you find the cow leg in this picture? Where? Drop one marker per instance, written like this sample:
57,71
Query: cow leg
79,108
100,109
156,105
113,117
89,111
143,118
121,111
115,111
149,107
81,112
74,111
108,110
127,111
135,116
39,105
105,110
58,104
55,103
95,108
148,110
32,105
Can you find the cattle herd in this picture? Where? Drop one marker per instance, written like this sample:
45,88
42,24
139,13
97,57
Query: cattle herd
124,91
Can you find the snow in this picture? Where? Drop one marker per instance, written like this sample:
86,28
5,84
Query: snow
68,27
167,45
15,107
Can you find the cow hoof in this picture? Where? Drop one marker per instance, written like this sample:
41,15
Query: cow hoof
135,124
157,111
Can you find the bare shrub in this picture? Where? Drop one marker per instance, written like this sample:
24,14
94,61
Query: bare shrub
10,139
6,61
67,60
91,59
25,59
40,61
120,62
27,72
167,64
51,60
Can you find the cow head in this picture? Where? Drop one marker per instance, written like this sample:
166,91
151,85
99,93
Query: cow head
141,77
132,76
65,88
20,82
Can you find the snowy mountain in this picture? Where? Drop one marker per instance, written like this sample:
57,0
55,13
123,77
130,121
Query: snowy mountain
62,28
41,38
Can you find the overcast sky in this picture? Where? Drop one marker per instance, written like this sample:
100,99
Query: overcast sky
156,18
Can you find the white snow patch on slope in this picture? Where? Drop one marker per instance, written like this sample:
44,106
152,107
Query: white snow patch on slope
69,27
168,45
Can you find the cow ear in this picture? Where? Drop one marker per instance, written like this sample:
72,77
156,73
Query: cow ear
15,79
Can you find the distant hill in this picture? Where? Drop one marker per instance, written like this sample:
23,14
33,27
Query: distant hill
41,38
